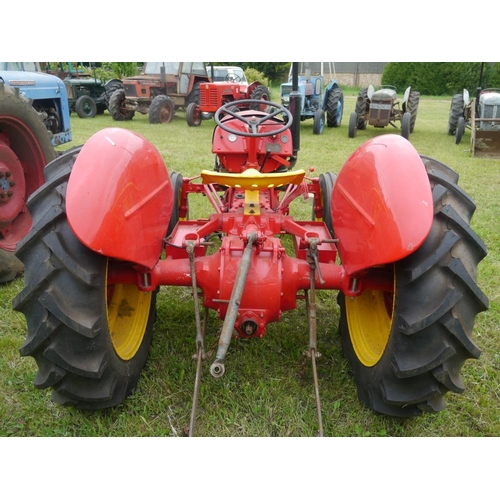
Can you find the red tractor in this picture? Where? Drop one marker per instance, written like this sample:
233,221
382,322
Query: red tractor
215,94
404,261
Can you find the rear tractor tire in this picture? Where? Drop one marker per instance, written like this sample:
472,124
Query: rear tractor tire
326,182
335,108
89,339
412,108
260,92
456,111
406,349
116,106
177,181
362,106
25,149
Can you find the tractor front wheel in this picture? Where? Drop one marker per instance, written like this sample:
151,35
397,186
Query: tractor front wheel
89,337
406,349
460,130
193,115
319,122
406,125
161,110
85,107
352,129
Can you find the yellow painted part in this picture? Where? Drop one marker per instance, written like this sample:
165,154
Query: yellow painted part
369,325
128,313
253,180
252,205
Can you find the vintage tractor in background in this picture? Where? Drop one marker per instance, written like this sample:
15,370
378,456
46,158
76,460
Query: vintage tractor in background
482,116
88,96
314,102
215,94
163,88
34,117
46,94
390,233
382,107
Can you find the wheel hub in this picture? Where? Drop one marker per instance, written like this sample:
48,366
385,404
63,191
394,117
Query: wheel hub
12,185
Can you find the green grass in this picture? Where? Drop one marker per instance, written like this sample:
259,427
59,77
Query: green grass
268,388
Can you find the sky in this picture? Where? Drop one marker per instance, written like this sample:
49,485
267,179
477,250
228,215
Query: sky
259,31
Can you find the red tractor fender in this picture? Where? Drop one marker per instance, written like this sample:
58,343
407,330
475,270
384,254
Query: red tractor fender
382,207
119,197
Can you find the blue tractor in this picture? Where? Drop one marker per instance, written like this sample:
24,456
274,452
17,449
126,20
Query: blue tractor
47,94
315,102
34,118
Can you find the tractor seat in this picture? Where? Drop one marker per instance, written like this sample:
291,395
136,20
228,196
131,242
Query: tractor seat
253,180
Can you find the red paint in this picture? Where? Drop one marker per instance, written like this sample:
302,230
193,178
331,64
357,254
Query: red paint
119,197
382,206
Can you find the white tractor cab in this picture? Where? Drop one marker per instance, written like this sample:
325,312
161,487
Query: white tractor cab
229,74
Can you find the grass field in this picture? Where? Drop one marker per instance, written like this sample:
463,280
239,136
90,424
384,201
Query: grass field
268,388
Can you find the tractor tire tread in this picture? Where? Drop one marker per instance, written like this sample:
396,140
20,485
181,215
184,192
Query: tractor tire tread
63,301
437,302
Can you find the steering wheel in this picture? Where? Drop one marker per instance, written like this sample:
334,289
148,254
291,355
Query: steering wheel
253,122
233,78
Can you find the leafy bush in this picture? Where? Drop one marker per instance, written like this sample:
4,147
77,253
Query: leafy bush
253,75
109,70
440,78
495,76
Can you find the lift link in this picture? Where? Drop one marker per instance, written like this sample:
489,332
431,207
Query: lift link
312,258
200,336
217,368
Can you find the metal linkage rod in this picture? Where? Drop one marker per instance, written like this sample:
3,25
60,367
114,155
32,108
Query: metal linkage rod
311,317
217,369
200,337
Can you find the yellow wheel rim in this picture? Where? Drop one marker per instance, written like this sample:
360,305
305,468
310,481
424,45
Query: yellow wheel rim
127,313
369,319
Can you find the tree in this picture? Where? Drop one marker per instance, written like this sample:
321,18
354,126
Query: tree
439,78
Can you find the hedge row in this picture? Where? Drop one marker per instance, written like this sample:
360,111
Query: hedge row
445,78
